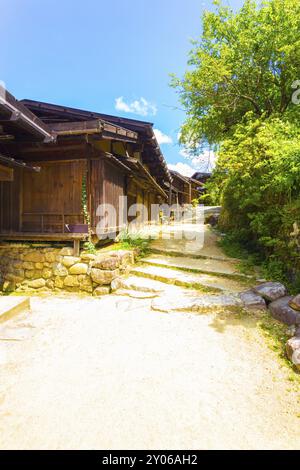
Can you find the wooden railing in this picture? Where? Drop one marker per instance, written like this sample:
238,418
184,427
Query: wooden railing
43,223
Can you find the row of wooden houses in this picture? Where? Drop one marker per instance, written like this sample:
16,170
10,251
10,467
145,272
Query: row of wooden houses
55,161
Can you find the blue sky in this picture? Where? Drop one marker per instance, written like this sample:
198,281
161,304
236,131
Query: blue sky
113,57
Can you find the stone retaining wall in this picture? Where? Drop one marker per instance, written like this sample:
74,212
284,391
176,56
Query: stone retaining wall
24,269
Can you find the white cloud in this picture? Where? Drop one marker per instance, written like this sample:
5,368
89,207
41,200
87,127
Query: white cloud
182,168
206,161
162,138
142,107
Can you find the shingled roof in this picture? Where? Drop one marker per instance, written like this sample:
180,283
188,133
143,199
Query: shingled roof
52,114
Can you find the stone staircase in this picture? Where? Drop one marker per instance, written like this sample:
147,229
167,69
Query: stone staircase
185,282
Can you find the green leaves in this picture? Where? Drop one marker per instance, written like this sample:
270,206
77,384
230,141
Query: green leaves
244,62
258,179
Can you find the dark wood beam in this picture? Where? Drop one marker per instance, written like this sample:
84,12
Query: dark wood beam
13,163
6,174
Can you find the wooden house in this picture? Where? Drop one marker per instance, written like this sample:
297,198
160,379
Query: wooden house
201,176
183,189
56,160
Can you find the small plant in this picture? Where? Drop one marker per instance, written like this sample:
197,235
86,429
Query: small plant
89,245
135,240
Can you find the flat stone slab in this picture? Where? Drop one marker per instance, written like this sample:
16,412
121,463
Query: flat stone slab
11,306
138,283
210,266
281,311
134,294
187,279
201,304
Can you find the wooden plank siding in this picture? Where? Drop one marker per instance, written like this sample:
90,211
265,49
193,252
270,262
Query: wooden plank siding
6,174
10,203
107,186
52,198
43,202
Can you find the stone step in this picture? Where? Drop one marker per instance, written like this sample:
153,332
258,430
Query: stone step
189,264
176,254
181,278
139,284
200,304
135,294
11,306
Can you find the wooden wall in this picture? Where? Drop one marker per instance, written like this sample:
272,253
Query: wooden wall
44,201
107,184
55,192
10,203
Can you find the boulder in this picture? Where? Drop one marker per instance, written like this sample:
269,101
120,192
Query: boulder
50,284
295,303
39,266
85,283
293,351
103,290
71,281
34,257
59,269
280,310
47,273
106,262
271,290
253,301
78,268
69,261
30,274
125,256
59,282
28,265
66,251
104,277
88,256
37,283
50,257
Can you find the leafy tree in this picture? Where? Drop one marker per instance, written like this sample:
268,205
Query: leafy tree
243,62
238,96
258,179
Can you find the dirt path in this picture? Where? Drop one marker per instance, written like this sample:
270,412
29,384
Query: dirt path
110,373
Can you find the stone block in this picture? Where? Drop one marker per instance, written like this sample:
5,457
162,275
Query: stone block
102,277
79,268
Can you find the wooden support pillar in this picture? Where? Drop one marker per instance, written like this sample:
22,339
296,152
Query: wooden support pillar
76,247
170,195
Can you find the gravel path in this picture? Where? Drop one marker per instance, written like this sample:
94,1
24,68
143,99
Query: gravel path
84,373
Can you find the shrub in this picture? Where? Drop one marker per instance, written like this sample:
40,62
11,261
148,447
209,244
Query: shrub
257,179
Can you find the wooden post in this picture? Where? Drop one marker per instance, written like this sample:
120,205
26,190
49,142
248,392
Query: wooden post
76,247
170,195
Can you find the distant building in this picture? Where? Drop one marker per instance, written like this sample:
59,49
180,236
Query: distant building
202,177
183,190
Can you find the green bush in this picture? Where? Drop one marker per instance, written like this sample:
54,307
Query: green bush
257,180
136,240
